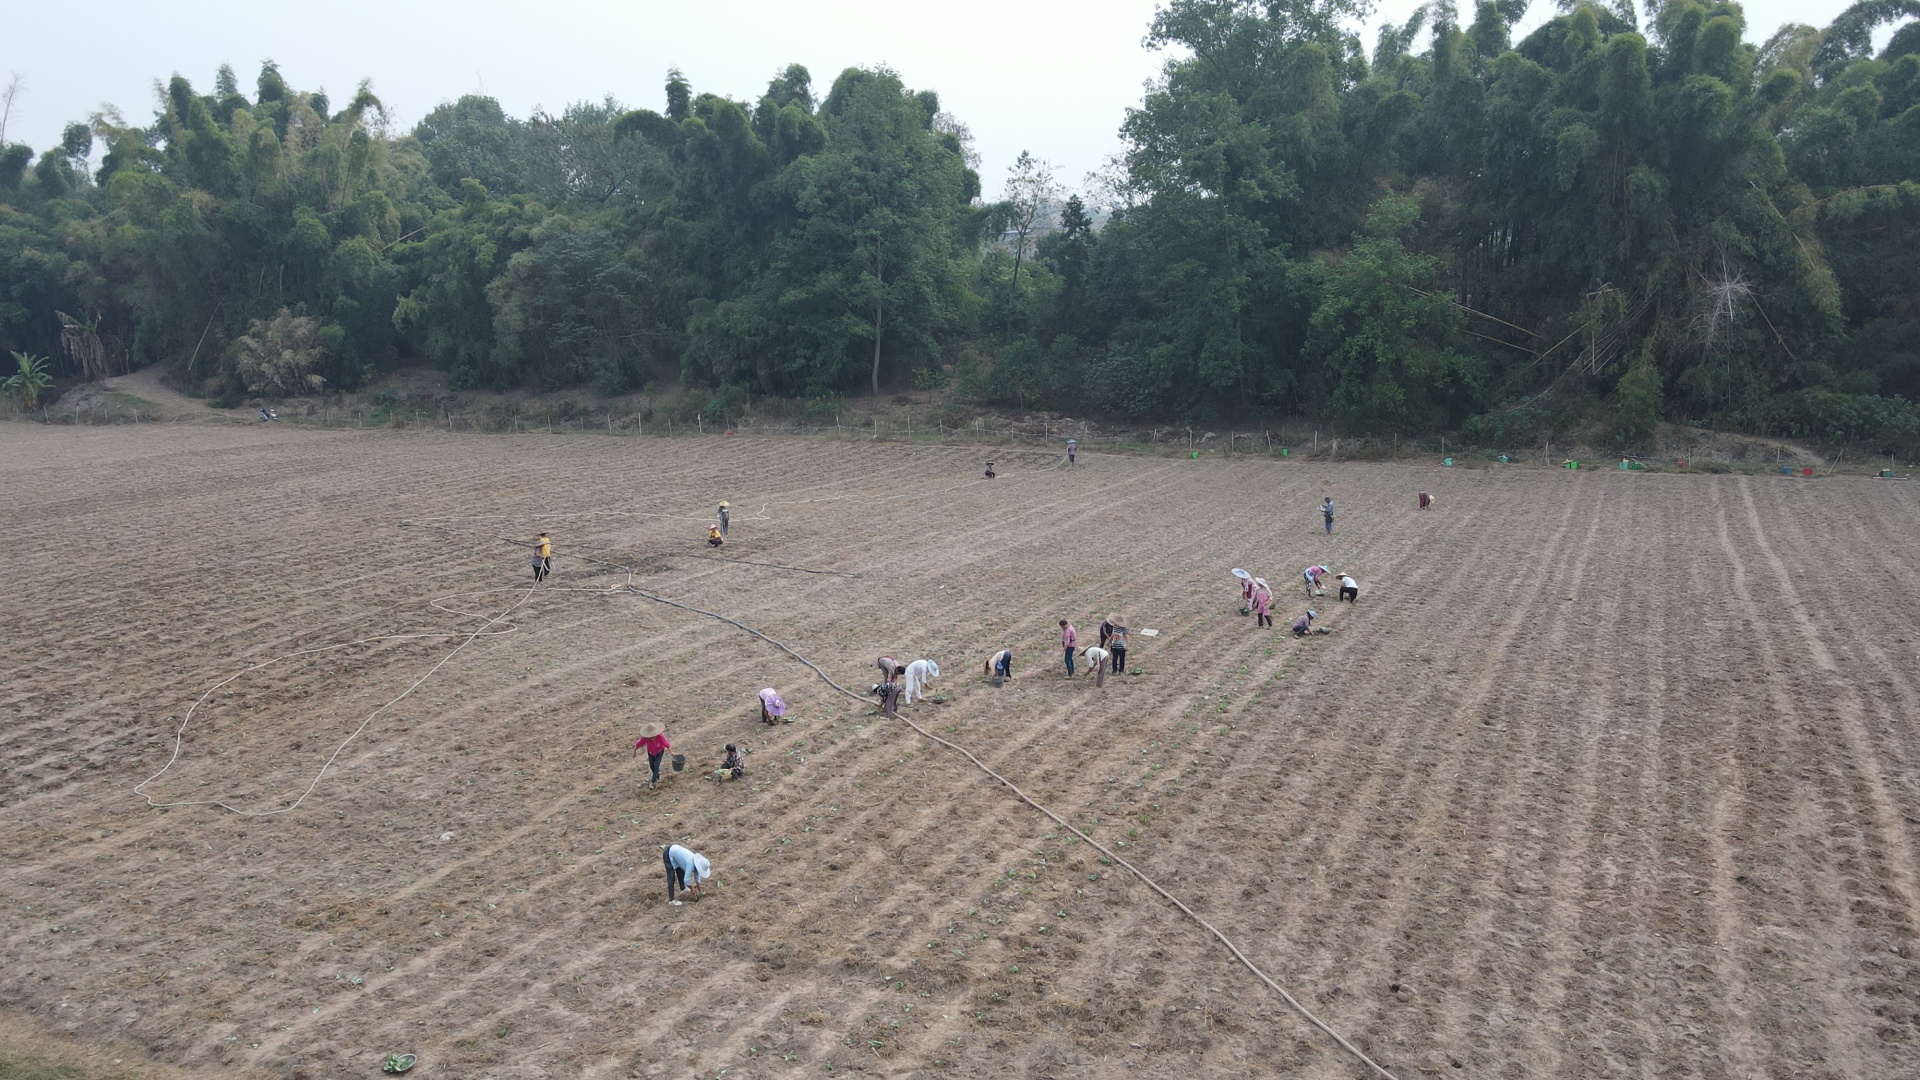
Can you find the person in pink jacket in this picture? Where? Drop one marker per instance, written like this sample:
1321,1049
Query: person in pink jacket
1263,607
1069,640
653,739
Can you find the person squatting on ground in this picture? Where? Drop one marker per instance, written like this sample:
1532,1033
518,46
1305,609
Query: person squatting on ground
1097,660
1117,646
1000,665
1069,640
686,869
920,676
1426,500
653,739
1349,589
772,706
723,518
1326,511
1262,606
1313,574
1304,624
734,765
990,473
714,538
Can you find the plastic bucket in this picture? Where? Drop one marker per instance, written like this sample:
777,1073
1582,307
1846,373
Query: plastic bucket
679,762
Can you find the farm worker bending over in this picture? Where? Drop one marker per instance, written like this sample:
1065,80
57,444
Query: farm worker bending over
653,739
1326,511
1262,607
772,706
714,537
1313,574
1349,589
686,869
1069,640
1117,647
723,518
1000,664
1426,500
1097,657
1246,595
920,675
1304,623
1106,631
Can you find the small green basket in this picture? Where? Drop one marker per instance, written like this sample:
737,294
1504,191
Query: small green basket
399,1063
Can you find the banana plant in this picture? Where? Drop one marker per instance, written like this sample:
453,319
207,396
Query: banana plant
30,381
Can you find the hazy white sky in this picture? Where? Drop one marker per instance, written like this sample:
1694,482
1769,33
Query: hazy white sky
1051,76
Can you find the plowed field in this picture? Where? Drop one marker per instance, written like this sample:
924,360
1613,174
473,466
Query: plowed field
1605,774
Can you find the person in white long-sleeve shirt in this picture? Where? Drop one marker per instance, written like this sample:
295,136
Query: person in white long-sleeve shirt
1349,589
687,869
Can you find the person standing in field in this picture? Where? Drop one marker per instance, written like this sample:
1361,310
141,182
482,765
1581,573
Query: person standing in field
1349,589
1262,607
723,518
653,739
1117,647
1326,511
687,869
1073,449
1106,631
1069,639
543,549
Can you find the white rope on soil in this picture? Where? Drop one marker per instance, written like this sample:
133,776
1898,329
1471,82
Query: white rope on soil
1057,819
485,629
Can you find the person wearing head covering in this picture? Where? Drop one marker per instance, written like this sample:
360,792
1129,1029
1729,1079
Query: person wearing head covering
714,538
653,739
1349,589
543,556
1262,606
990,472
1073,450
1304,623
1313,575
1069,640
920,675
1117,646
772,705
1106,631
1326,511
723,518
1097,659
1246,595
687,869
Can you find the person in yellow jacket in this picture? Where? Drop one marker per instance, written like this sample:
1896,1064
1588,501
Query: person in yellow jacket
714,538
542,558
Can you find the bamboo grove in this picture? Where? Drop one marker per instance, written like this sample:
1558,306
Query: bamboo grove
1624,216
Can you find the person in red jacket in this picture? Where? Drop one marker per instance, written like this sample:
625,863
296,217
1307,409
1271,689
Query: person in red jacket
653,739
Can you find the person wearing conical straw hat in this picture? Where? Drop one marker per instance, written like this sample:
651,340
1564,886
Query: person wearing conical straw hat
724,507
1262,604
653,739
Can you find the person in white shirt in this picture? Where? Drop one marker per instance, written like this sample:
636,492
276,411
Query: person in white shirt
1349,589
686,868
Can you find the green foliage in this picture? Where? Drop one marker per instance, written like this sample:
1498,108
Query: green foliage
29,382
277,356
1609,220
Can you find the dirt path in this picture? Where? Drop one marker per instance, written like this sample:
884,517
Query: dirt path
168,403
1606,774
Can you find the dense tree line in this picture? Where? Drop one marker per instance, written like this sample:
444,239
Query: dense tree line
1610,221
